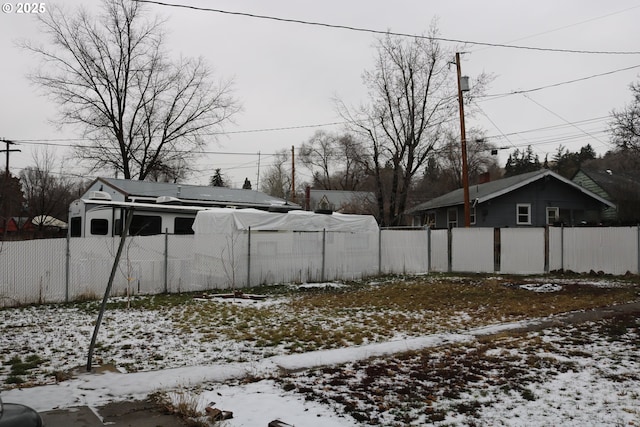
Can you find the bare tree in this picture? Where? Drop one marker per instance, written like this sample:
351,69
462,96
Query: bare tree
277,179
409,100
479,157
625,125
412,95
336,161
110,74
47,192
319,155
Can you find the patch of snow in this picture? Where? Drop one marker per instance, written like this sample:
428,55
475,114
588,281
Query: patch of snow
544,287
324,285
257,404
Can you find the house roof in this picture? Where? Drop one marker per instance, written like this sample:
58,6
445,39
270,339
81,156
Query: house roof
193,193
613,182
483,192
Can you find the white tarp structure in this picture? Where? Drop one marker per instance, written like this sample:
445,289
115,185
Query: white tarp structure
227,220
248,247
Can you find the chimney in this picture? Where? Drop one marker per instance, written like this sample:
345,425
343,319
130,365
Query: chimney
484,178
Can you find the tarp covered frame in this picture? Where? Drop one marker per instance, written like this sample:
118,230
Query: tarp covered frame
219,220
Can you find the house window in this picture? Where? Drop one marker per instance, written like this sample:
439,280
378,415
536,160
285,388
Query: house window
472,215
553,215
99,227
430,220
452,218
523,214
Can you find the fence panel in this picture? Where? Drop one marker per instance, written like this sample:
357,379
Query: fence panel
611,250
350,256
35,271
287,256
180,257
32,271
440,250
220,260
404,251
555,248
522,250
140,270
472,250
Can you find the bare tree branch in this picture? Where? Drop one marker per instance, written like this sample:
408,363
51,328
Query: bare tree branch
111,76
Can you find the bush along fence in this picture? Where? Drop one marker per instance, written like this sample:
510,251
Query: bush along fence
59,270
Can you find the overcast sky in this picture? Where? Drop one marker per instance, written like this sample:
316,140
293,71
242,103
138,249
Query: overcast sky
286,74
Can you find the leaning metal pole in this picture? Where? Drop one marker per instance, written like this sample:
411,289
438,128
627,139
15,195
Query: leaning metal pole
114,268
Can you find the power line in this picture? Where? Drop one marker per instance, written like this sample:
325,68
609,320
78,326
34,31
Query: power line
367,30
595,119
493,123
563,119
571,25
515,92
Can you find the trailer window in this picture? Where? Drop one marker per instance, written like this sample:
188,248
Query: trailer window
183,225
145,225
99,227
75,225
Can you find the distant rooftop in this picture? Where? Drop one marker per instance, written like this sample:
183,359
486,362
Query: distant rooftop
200,194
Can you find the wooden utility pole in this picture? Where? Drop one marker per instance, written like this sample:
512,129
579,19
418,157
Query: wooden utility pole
6,196
293,174
463,138
7,150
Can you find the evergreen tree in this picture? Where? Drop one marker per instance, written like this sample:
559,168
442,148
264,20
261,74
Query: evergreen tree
217,180
520,162
567,163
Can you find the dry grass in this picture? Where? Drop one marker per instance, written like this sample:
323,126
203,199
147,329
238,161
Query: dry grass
356,314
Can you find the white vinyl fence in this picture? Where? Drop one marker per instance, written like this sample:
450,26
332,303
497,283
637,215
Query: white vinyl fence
56,270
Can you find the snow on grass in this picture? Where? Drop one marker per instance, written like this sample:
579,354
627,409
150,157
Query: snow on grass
395,352
545,287
323,285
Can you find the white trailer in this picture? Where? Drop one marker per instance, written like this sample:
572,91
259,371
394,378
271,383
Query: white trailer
98,215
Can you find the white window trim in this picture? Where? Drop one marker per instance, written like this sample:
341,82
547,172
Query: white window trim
523,205
431,224
553,209
449,222
472,215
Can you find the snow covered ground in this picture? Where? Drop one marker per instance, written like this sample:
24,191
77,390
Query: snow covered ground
582,374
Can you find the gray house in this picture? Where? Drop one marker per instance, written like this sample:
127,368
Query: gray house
533,199
125,190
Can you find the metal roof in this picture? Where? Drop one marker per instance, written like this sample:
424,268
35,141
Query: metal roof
193,193
483,192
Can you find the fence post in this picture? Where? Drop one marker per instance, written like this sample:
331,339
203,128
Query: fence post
546,249
562,247
449,249
638,248
107,291
67,266
249,257
324,248
166,260
379,251
429,250
497,249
